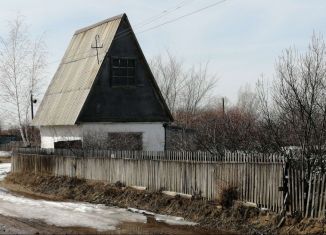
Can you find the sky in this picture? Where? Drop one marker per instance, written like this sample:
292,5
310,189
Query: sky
241,39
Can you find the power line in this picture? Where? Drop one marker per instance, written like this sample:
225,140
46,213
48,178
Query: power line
141,23
183,16
123,34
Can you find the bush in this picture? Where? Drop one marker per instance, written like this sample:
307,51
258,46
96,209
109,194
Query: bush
227,196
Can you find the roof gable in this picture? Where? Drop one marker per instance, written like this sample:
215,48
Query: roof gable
75,75
74,79
140,102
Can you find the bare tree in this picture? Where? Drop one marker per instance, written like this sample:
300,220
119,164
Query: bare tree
170,77
22,67
296,113
196,92
185,90
247,99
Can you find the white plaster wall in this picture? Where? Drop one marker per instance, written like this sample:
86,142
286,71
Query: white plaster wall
153,133
52,134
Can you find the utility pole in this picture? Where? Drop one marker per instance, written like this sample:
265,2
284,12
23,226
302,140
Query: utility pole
223,106
33,101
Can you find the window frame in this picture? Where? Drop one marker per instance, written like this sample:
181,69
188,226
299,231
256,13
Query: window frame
126,77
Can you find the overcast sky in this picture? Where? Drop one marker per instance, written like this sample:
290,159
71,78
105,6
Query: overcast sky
240,38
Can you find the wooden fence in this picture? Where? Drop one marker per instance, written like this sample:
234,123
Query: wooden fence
257,176
11,146
307,193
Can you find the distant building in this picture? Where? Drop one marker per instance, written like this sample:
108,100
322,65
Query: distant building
103,94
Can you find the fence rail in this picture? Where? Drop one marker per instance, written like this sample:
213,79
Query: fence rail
11,146
198,156
257,176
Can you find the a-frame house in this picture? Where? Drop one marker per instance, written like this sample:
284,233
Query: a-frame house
103,94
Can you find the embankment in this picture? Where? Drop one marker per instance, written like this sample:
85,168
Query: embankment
209,215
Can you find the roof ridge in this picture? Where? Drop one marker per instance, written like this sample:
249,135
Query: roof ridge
99,23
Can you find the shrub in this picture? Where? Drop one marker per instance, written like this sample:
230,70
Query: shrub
227,195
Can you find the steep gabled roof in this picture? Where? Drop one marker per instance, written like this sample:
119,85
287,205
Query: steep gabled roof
71,84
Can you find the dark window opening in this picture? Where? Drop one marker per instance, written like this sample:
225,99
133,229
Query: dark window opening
125,141
71,144
123,71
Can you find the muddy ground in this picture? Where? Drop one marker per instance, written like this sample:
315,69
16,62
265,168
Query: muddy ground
5,159
211,217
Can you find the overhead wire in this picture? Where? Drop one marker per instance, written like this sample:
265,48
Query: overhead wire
123,34
140,24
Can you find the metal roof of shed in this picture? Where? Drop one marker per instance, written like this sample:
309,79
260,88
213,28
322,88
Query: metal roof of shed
76,74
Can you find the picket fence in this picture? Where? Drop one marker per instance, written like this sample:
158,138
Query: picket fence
11,146
257,176
307,193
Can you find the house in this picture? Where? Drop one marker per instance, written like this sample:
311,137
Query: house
104,95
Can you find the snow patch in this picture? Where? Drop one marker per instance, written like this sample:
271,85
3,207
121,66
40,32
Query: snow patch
172,220
67,214
5,153
74,214
5,168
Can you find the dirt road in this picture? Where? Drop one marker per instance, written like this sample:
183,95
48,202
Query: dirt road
23,214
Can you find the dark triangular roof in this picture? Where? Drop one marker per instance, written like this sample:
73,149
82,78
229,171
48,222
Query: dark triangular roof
74,79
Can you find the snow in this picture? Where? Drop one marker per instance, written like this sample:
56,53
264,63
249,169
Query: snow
172,220
4,170
74,214
5,154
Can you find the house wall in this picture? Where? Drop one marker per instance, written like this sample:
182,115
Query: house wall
153,134
52,134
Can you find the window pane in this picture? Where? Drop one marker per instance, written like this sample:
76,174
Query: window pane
123,63
131,80
124,72
115,62
131,63
115,72
131,72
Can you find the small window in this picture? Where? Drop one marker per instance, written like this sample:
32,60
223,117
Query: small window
123,72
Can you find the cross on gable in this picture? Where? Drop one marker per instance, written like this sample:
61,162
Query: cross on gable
97,46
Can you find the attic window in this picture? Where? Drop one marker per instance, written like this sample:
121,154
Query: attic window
123,71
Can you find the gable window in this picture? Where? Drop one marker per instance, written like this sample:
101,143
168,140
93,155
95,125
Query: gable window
123,71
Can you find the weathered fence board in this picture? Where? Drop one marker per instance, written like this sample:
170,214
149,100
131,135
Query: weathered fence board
197,173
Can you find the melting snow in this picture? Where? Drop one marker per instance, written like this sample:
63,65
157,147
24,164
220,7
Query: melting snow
73,214
4,170
172,220
5,154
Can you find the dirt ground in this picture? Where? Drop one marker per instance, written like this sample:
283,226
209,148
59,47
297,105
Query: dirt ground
210,216
239,219
5,159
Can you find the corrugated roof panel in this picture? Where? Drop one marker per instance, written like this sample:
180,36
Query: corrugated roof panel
75,76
